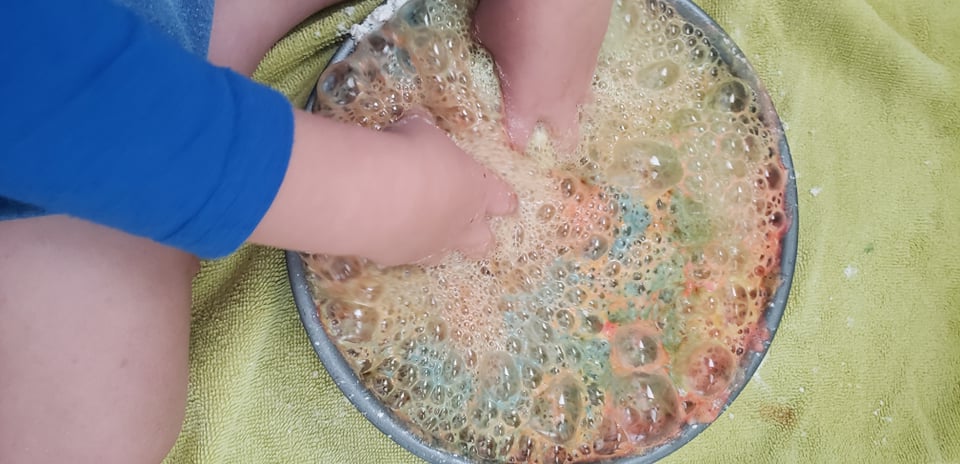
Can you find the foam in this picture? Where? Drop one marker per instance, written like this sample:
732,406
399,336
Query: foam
622,296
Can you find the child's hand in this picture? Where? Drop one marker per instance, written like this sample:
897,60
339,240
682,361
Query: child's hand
441,203
546,53
401,196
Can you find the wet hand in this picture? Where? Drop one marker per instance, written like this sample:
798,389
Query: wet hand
442,203
404,195
546,53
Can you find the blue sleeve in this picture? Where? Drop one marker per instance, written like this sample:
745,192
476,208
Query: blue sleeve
105,118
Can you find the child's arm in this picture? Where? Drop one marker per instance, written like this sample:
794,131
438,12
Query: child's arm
118,125
397,196
546,52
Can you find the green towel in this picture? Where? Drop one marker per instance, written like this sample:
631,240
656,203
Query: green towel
866,366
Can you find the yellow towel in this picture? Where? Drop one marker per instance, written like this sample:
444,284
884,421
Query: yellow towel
866,366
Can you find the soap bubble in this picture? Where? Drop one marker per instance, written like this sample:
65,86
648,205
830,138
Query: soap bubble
415,14
637,346
659,75
355,323
501,376
709,369
341,84
557,410
731,96
647,407
645,167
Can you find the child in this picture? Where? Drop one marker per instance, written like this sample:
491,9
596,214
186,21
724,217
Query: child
125,155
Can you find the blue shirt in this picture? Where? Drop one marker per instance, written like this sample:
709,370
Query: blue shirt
187,21
118,119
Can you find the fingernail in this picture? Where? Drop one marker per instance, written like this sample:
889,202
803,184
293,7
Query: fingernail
504,203
513,202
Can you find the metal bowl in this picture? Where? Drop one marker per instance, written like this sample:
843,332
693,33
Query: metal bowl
384,419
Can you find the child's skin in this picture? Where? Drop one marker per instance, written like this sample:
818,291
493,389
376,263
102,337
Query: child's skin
95,322
545,68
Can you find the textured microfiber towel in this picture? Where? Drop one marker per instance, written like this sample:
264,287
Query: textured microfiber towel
866,365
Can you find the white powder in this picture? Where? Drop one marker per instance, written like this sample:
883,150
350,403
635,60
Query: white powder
850,271
382,14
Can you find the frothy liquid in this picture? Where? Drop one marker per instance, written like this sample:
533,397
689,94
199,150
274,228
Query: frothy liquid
621,298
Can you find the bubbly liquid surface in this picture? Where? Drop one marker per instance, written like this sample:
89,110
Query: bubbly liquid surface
623,296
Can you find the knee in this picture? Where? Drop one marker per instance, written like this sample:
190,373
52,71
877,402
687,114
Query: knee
146,435
123,433
145,421
157,437
107,381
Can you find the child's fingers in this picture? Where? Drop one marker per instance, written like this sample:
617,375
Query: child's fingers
519,123
564,126
431,260
501,199
561,118
477,240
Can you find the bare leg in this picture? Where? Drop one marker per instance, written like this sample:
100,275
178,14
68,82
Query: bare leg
94,333
94,323
244,30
